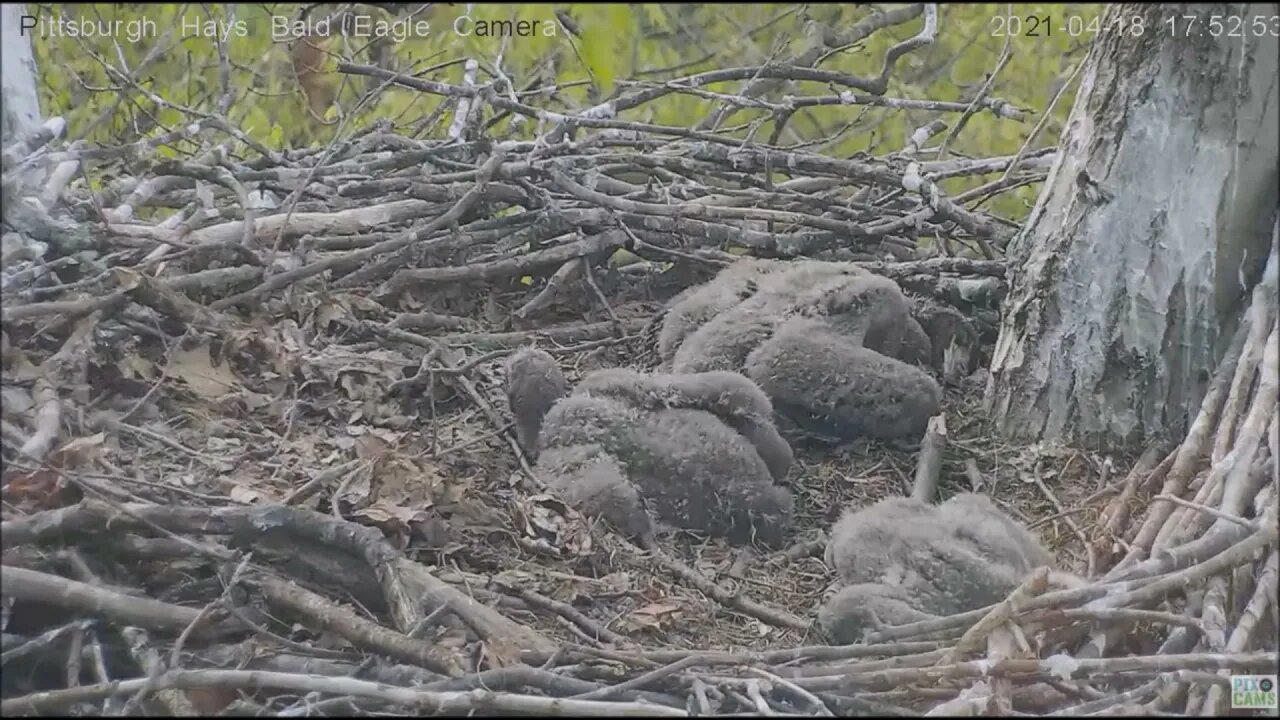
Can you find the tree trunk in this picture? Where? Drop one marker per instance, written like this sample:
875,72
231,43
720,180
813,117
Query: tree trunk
1121,302
21,104
29,195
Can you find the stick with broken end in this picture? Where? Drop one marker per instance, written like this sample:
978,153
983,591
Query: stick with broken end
929,466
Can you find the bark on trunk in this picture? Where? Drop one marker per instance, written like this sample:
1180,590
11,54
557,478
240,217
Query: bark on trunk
21,103
1119,306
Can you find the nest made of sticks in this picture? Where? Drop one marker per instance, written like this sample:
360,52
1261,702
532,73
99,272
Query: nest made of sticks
257,459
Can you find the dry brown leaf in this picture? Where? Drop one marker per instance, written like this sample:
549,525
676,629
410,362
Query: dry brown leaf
40,490
136,367
344,309
362,304
194,367
407,483
308,57
390,437
453,639
270,354
359,491
400,422
353,385
328,313
473,512
391,520
658,609
211,700
616,581
369,446
431,529
244,495
650,617
631,623
550,522
127,278
254,401
544,516
78,451
382,512
500,652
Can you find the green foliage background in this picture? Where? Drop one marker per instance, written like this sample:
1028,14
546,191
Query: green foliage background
615,45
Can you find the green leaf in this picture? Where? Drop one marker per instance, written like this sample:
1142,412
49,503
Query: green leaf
169,117
663,41
656,15
608,31
256,122
622,257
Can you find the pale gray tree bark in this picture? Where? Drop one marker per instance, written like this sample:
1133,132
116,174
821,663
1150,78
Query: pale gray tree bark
21,106
1124,295
29,192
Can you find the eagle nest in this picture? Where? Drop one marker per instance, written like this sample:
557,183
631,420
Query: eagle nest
257,443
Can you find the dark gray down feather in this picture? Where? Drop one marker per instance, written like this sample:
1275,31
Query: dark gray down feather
696,452
902,561
829,343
